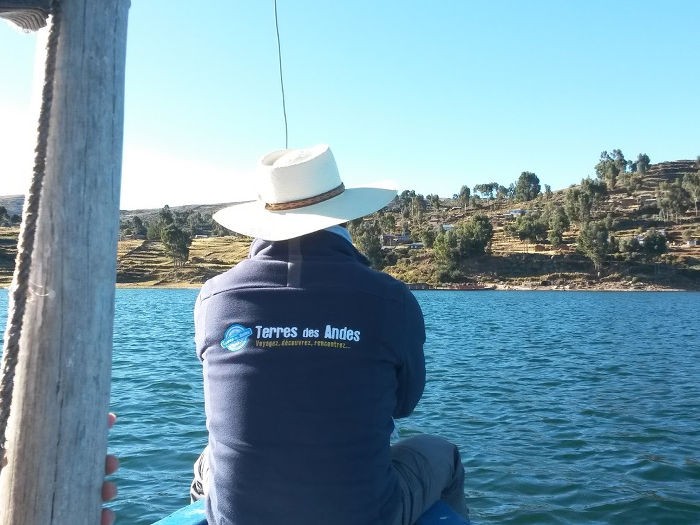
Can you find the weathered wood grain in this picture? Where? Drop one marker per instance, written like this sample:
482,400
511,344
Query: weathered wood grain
57,433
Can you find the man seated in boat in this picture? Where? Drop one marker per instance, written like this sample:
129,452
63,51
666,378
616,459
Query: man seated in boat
307,355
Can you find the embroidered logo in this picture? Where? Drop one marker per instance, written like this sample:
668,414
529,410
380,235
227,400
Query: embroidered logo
235,337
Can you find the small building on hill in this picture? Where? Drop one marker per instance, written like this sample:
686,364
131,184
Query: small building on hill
394,240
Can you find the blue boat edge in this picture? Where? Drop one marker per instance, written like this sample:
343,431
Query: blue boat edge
193,514
439,514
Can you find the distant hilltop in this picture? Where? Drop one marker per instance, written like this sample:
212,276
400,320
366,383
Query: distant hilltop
13,204
662,171
642,234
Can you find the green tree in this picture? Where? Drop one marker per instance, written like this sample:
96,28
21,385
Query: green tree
137,226
418,207
596,189
487,191
404,199
387,222
153,229
620,163
654,243
176,242
633,183
165,215
445,249
475,235
527,187
529,228
642,164
367,236
434,200
608,169
580,201
428,236
691,184
629,245
468,239
219,231
195,223
557,221
577,205
594,243
503,193
672,199
4,217
463,196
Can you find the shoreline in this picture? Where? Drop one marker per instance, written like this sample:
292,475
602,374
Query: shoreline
497,287
649,288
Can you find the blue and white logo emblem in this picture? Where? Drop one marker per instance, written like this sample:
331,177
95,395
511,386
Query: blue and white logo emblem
236,337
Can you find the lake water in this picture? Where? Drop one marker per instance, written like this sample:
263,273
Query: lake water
569,407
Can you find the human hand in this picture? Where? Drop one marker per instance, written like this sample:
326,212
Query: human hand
109,488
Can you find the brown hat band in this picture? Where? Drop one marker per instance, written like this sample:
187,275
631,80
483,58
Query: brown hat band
302,203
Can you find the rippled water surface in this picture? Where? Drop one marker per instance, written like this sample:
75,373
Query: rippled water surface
569,407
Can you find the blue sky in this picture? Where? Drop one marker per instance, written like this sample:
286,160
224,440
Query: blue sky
430,94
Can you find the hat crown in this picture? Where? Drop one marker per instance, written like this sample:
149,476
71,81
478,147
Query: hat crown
299,192
295,174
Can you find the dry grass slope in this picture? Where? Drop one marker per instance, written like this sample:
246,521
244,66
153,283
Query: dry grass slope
8,252
145,263
511,263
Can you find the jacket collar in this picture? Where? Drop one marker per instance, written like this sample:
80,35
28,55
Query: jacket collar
316,244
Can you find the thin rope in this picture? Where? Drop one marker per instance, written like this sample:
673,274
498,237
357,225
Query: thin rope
279,58
25,245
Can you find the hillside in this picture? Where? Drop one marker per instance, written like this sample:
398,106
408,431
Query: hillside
509,263
13,204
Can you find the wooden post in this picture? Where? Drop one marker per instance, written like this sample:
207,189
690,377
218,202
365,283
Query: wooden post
57,433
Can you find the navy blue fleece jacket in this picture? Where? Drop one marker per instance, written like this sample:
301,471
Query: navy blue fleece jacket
308,354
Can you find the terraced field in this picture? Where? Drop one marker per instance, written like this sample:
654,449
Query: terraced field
8,252
510,262
145,263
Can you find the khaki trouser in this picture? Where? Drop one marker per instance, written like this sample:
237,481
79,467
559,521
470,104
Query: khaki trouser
429,469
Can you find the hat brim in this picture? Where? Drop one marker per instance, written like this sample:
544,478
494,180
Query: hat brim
252,219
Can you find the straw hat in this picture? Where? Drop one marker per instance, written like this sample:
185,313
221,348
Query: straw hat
299,192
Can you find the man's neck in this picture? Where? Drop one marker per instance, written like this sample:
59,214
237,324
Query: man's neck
339,230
